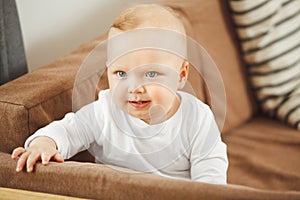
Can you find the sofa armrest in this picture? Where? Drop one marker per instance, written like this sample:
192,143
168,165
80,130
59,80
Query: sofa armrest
97,181
39,97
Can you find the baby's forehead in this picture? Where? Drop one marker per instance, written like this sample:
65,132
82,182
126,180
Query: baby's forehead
148,57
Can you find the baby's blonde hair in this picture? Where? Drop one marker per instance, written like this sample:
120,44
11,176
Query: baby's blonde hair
148,15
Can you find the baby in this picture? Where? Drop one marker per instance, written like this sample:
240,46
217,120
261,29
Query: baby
142,122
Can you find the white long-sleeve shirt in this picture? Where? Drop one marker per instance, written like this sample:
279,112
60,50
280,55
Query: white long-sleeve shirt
188,145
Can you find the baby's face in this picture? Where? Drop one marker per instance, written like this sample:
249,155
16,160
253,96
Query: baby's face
144,84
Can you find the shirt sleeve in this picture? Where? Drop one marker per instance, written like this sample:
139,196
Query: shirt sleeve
208,159
74,133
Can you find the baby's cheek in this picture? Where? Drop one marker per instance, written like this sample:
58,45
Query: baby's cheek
161,95
119,94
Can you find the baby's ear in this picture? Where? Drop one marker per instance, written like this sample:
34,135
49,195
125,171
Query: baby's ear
183,74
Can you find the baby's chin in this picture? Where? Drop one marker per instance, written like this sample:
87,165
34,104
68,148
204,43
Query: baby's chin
154,115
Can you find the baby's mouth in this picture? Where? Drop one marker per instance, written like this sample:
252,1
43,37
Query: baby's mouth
139,104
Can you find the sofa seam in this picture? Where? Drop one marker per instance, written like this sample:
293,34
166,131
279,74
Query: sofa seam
16,104
251,119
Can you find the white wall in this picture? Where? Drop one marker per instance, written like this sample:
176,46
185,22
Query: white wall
53,28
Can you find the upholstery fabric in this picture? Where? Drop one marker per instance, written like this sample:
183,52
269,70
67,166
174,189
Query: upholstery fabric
97,181
264,154
12,56
269,33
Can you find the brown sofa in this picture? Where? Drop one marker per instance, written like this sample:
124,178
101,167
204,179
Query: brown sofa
263,153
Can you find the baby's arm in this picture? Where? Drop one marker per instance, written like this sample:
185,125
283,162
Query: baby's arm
209,160
60,139
213,167
41,148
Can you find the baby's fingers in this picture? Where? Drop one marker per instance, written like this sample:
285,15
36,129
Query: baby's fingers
57,157
22,160
18,151
45,158
31,160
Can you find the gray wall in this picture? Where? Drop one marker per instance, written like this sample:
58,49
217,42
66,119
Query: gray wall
12,57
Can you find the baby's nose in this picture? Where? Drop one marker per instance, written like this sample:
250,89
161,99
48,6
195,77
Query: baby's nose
136,85
138,89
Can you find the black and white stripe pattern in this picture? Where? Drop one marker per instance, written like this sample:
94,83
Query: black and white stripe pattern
269,34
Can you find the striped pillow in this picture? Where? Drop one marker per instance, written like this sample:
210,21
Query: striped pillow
269,34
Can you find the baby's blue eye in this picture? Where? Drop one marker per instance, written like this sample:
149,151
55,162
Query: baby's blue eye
121,74
151,74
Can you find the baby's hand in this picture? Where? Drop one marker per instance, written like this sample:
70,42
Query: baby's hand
41,148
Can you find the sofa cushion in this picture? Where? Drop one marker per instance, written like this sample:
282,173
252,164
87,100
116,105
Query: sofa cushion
264,154
269,33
